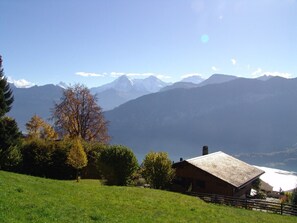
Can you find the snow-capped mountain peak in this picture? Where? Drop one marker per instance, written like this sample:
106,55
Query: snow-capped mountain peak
123,83
63,85
150,84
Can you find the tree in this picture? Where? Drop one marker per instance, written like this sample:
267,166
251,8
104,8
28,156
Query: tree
157,169
294,197
38,128
6,96
9,139
117,164
9,132
77,158
79,116
48,132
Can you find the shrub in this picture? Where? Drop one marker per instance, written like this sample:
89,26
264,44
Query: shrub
59,169
260,195
36,157
93,151
11,158
157,169
137,179
46,159
117,164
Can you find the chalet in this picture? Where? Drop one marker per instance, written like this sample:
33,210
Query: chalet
215,173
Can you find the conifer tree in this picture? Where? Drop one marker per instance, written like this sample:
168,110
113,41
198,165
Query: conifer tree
34,127
38,128
77,158
9,138
9,132
6,96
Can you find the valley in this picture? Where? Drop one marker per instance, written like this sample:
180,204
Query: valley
252,119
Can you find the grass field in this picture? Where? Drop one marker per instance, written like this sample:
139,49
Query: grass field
31,199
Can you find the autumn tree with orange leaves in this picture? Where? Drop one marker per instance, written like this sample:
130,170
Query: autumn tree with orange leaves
79,116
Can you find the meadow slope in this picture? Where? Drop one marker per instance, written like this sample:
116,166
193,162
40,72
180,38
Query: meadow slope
31,199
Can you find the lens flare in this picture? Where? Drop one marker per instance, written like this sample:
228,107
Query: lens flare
204,38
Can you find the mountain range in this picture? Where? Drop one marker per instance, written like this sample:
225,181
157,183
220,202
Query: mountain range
40,99
193,81
124,89
253,119
37,100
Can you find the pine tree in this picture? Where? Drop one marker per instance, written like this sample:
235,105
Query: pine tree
9,132
6,96
9,139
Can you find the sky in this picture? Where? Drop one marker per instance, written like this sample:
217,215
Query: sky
93,42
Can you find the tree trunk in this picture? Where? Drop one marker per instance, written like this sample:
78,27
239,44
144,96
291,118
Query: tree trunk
77,175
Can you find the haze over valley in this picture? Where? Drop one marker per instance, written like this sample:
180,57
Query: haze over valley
254,119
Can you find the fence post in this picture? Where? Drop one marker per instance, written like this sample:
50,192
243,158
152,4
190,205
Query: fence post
281,208
246,203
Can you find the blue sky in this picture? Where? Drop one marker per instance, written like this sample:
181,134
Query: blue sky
94,41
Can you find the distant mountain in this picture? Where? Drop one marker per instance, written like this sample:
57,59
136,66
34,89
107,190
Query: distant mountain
150,84
218,79
124,89
34,100
195,79
122,83
264,77
40,100
63,85
185,85
213,79
240,116
252,119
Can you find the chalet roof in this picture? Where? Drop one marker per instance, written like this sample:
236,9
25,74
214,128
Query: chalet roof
226,168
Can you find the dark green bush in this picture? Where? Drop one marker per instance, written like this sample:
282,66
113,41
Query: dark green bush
59,169
117,164
93,151
46,159
9,144
36,157
260,195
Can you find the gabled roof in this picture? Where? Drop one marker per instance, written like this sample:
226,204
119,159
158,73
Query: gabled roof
226,168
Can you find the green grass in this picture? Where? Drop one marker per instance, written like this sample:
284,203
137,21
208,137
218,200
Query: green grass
31,199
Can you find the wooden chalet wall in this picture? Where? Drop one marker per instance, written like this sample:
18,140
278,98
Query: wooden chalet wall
191,178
